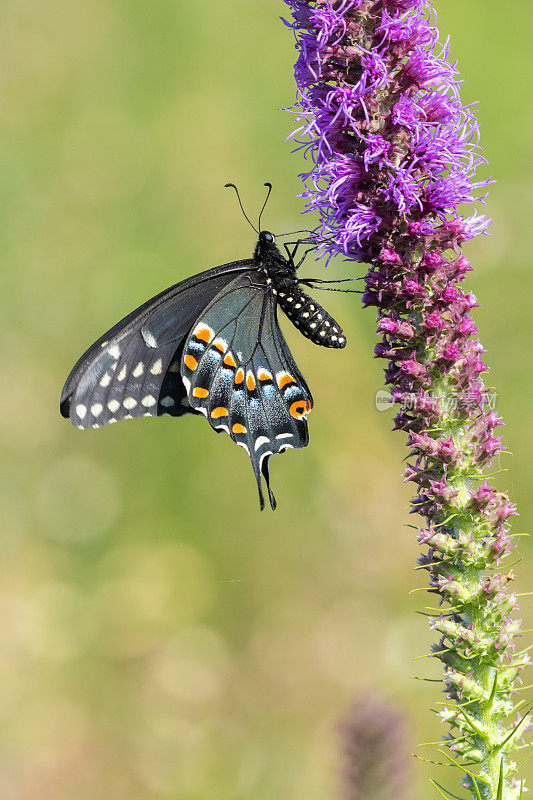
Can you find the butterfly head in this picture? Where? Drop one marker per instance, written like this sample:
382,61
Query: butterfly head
266,248
267,256
266,237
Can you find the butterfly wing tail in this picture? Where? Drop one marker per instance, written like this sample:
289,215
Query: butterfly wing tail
262,472
257,474
266,475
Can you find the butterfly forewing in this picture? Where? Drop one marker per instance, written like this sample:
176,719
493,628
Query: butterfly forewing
133,369
239,373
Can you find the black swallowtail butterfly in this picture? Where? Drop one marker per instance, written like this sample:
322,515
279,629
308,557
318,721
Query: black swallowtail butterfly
211,345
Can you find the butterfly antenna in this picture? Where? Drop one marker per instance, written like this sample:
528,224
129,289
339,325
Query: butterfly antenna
269,189
247,218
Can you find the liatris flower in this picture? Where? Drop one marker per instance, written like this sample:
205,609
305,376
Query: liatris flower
394,154
375,752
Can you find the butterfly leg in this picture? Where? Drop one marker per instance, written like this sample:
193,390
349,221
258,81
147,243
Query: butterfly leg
292,254
301,261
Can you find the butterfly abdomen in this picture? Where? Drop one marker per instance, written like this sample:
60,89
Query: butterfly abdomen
311,318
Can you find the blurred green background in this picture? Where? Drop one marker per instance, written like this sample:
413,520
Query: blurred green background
160,637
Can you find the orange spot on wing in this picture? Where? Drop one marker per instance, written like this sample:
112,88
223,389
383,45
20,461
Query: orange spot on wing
239,376
219,346
285,379
298,408
250,382
204,334
199,392
264,376
229,361
238,428
220,411
190,361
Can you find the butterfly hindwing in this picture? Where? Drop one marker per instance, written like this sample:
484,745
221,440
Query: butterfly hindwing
134,369
239,373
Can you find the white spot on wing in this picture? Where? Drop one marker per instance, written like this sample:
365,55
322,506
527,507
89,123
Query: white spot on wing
148,401
284,436
129,402
157,368
113,406
97,409
260,441
149,338
122,374
241,444
105,380
81,410
138,371
114,351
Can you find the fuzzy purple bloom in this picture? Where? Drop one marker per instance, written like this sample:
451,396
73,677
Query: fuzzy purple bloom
393,154
375,745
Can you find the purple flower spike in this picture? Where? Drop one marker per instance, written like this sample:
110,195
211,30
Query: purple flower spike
394,154
375,744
